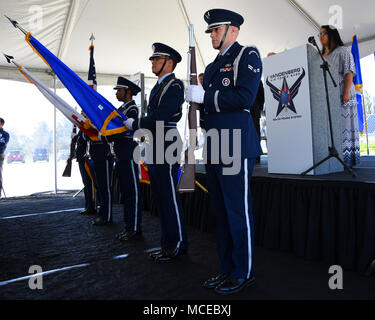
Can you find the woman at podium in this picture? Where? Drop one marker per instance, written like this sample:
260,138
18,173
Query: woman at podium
341,59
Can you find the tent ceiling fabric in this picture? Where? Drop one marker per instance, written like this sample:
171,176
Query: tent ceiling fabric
125,30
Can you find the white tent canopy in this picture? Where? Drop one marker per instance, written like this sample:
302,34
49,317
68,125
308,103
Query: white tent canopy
125,30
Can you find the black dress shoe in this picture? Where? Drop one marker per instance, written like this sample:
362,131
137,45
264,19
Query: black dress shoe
120,234
154,253
213,282
129,235
168,255
88,212
100,222
232,285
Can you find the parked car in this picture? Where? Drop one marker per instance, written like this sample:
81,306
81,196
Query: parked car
40,154
15,155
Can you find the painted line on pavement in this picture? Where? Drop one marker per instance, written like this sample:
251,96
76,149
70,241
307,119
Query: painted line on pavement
3,283
123,256
37,214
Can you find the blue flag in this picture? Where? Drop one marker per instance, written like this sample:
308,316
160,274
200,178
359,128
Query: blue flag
98,109
358,83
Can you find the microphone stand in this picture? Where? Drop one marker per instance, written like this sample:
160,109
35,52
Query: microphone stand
331,150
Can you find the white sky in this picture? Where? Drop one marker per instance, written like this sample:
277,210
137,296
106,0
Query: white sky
368,74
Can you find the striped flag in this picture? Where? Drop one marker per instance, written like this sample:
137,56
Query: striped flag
92,71
70,113
358,83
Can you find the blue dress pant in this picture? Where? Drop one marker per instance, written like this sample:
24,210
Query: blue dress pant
163,180
231,201
103,173
89,201
129,186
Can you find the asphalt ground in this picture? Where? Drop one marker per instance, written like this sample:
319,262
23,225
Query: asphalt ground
47,231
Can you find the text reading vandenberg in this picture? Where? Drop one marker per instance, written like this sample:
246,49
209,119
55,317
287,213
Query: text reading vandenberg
285,73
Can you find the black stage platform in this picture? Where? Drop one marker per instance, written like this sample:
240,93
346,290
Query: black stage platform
329,218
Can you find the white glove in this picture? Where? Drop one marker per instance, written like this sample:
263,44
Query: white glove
129,123
194,93
200,142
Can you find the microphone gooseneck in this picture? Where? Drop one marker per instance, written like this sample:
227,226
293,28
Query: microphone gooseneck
312,40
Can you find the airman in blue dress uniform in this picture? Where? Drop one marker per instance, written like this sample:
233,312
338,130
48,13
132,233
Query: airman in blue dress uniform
4,139
80,139
126,167
165,105
102,160
229,89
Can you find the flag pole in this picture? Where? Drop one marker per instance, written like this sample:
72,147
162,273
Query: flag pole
54,138
365,115
16,25
92,38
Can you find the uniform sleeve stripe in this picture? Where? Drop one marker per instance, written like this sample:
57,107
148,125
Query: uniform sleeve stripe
253,51
235,66
216,101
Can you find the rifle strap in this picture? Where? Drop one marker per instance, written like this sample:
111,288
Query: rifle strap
237,62
164,87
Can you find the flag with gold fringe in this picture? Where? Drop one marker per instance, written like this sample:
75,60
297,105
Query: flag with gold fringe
98,109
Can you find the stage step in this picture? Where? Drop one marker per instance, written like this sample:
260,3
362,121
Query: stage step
367,162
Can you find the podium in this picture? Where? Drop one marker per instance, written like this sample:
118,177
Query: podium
298,134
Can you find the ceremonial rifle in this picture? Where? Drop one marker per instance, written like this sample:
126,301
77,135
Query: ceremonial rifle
187,179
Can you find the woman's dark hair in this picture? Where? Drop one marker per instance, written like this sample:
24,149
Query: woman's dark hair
2,121
334,39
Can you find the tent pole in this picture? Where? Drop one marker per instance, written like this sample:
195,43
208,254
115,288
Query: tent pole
294,4
362,40
68,27
188,23
54,140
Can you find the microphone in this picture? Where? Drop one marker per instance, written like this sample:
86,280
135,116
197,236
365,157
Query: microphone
312,40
